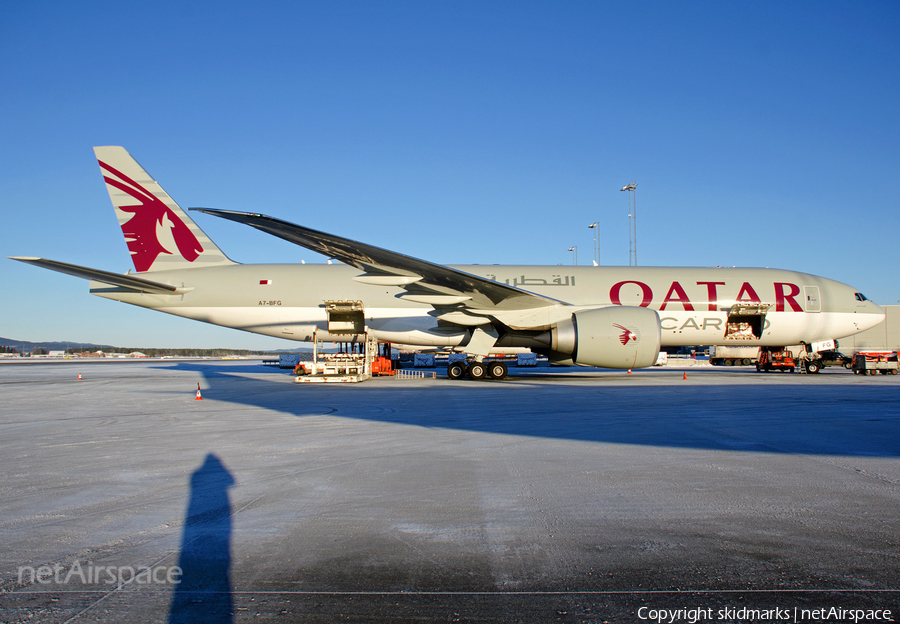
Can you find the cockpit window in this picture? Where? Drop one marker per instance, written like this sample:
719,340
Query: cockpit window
861,297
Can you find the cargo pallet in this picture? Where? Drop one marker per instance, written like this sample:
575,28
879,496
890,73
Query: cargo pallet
344,367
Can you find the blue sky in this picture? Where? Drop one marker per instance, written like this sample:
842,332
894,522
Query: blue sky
759,134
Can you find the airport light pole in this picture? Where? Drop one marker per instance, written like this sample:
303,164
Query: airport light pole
632,223
574,250
596,227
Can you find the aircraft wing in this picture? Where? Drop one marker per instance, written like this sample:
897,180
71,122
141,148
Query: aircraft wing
107,277
425,282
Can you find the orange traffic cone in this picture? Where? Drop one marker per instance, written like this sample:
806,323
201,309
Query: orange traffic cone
79,376
629,371
685,375
199,398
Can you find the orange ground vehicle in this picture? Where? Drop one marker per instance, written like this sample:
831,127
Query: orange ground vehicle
775,358
382,366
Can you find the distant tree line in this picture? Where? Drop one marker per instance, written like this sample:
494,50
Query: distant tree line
150,352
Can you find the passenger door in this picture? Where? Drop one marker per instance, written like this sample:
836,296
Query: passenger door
812,299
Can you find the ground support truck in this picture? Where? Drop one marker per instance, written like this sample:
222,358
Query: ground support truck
874,362
775,359
733,356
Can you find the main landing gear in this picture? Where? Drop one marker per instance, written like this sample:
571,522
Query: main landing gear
477,370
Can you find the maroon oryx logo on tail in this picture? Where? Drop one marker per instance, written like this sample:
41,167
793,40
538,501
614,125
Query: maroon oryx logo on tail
626,334
154,229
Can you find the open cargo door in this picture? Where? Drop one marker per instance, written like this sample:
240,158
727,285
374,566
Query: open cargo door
345,317
746,321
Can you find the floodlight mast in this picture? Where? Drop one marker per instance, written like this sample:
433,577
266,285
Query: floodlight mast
596,227
632,223
574,250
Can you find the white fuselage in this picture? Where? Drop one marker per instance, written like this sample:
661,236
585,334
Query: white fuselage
288,301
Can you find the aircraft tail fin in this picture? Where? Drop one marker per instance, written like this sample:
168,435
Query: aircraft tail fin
160,235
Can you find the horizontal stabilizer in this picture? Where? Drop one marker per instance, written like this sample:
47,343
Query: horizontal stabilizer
107,277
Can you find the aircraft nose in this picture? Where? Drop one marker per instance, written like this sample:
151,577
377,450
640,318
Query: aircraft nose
872,315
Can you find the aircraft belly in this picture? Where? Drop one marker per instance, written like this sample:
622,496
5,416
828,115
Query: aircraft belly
411,327
407,326
416,326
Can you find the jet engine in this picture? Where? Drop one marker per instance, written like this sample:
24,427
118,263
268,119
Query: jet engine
612,337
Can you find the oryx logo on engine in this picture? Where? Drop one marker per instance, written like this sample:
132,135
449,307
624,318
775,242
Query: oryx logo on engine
627,335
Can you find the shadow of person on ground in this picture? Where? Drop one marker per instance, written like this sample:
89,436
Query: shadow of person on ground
204,593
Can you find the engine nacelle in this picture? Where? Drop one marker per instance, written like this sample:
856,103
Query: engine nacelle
613,337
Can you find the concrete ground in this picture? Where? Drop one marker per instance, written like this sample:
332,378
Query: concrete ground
559,495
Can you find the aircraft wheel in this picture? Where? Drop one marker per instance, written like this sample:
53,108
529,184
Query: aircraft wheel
746,362
477,371
497,370
456,371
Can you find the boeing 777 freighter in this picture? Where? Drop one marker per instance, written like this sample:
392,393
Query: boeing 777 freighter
614,317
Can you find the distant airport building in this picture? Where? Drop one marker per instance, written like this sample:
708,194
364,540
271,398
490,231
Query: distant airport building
883,337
